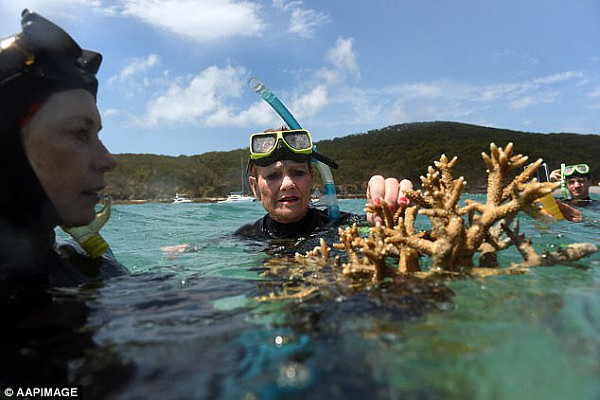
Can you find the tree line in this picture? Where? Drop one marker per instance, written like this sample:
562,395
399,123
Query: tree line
403,150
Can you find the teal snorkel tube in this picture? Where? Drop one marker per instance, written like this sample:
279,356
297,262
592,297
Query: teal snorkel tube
330,197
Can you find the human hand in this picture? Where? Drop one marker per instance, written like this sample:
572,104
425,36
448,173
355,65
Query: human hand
173,252
570,213
555,175
389,190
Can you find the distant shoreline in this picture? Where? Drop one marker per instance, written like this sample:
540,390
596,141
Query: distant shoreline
593,189
211,199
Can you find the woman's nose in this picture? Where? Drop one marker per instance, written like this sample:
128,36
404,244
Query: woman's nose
287,182
104,160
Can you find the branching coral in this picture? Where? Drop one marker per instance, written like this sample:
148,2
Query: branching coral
456,236
457,233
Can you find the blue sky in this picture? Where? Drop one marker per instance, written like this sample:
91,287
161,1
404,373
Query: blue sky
174,76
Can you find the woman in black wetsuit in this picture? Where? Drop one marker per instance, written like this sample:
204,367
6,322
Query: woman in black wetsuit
281,177
52,167
52,161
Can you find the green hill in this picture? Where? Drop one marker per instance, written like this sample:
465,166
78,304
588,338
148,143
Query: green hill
403,150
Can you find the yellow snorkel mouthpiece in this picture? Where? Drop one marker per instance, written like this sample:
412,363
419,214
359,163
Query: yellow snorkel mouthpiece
87,236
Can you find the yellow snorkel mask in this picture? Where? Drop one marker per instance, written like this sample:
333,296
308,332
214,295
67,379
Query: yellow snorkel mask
268,147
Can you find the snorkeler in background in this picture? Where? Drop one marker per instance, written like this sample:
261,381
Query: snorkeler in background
576,180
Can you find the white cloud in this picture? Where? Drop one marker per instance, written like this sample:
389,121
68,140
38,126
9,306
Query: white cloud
38,5
199,20
493,92
305,22
555,78
135,66
328,76
511,56
343,56
261,114
285,6
258,114
203,95
422,90
343,59
521,102
57,11
109,112
397,113
519,92
311,103
452,100
202,21
594,93
535,98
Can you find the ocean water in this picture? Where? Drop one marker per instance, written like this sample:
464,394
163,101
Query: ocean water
186,325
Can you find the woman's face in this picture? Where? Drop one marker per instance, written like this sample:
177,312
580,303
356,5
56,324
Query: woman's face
284,188
62,145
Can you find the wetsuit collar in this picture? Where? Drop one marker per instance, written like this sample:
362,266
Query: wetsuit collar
276,229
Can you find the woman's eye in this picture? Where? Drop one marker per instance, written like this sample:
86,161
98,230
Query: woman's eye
272,177
299,173
81,134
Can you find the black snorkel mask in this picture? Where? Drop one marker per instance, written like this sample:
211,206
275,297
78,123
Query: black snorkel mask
44,51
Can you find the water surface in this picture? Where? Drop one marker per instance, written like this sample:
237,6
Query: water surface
187,325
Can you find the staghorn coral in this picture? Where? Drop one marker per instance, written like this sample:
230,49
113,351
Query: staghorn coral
455,236
573,251
457,233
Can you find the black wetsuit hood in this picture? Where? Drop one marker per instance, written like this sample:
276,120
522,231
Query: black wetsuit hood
42,60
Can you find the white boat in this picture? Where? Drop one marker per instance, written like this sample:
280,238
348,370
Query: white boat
180,198
238,197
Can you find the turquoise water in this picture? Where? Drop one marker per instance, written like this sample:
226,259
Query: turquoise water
186,326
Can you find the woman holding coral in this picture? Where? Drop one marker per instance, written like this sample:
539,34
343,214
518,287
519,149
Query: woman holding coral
281,177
